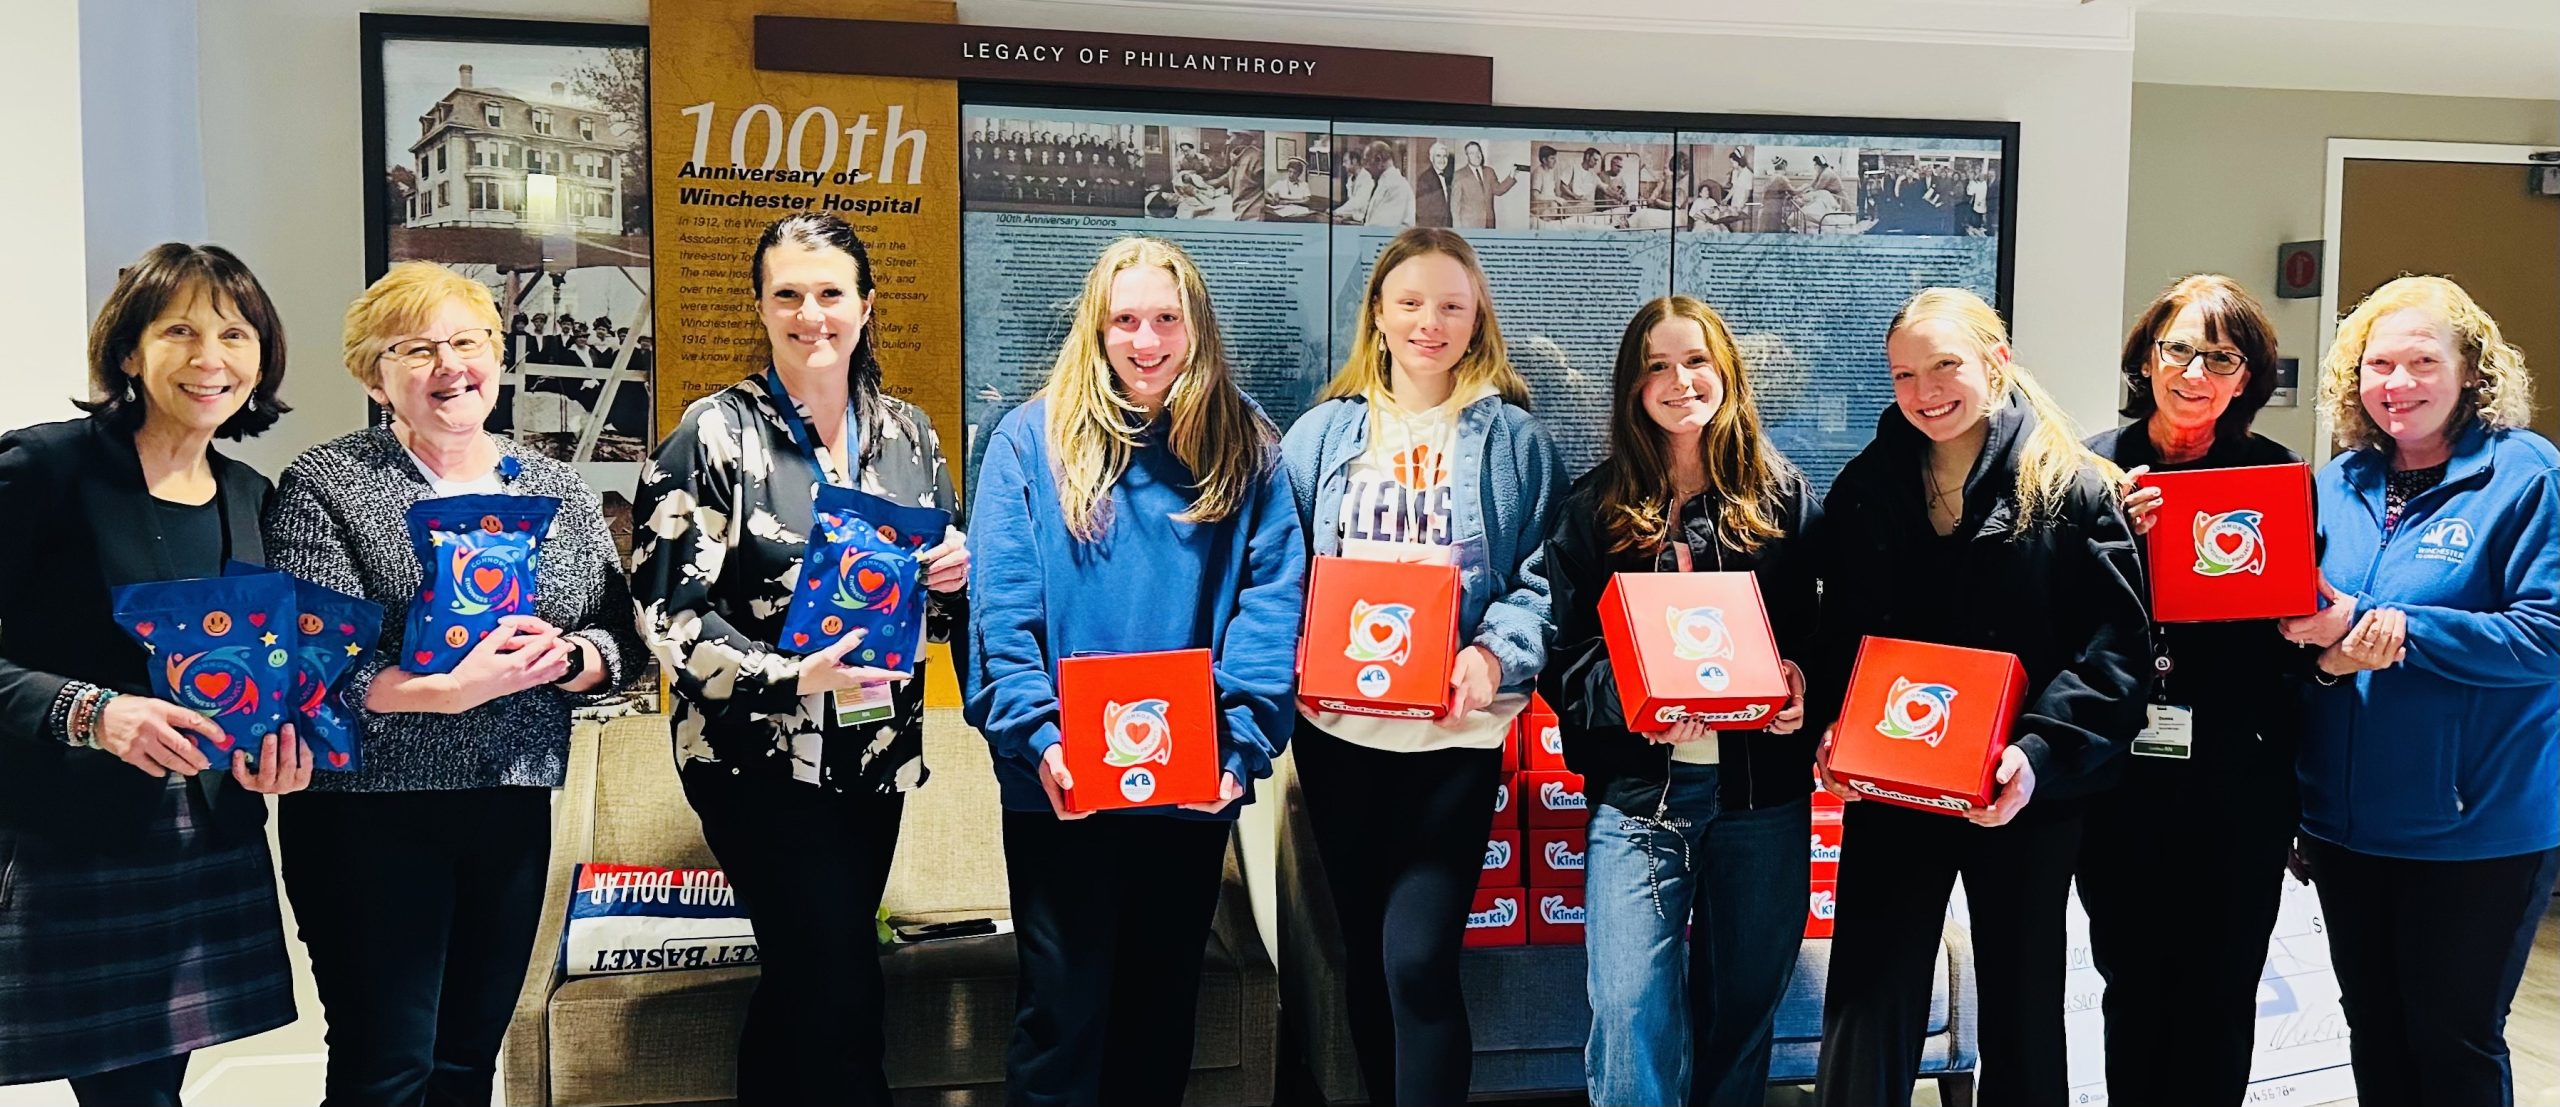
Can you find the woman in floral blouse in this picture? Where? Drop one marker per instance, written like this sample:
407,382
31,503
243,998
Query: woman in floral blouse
801,810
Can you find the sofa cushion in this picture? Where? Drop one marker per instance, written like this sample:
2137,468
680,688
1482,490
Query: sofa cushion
1800,1015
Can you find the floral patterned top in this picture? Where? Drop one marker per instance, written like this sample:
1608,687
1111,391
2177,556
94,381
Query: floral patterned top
722,515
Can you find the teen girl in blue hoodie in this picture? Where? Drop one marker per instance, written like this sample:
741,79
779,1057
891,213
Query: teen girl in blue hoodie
2431,758
1135,503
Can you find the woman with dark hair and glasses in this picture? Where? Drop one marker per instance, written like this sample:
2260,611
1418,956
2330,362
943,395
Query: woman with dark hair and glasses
417,878
138,918
2182,864
798,766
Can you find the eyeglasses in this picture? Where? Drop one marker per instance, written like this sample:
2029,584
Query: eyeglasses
419,353
2220,363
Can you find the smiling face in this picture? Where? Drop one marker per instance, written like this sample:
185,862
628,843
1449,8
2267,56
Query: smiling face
1941,381
451,393
2412,376
1439,159
1146,336
1426,312
196,363
2191,397
1682,387
813,315
1475,156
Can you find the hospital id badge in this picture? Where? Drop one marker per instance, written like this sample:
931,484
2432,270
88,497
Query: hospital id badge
2172,733
870,702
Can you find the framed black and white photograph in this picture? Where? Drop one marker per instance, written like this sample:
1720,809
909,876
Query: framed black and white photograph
516,153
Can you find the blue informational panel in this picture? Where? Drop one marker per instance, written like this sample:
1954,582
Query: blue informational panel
1806,241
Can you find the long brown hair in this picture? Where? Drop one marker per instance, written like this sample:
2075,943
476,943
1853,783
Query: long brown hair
1636,509
1093,428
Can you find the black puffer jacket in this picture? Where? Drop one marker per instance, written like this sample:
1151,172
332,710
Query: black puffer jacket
1629,772
2066,597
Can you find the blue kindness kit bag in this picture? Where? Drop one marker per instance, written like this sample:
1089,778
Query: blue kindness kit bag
478,558
222,647
861,573
336,630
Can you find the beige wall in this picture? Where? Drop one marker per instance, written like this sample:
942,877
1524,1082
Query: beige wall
2222,176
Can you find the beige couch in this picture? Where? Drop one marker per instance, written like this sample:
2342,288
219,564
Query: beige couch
671,1037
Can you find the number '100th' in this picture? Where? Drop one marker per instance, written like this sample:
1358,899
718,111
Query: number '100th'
788,147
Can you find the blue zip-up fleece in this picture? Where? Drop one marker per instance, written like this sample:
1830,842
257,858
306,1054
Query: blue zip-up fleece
1505,485
1149,582
2453,755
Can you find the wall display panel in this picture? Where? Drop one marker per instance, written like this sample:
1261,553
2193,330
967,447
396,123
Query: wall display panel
1808,244
1806,234
1045,190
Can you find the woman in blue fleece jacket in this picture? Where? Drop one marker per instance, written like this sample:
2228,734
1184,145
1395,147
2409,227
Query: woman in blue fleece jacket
1135,503
1422,451
2430,761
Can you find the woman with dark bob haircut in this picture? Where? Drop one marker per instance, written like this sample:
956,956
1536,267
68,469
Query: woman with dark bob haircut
138,918
2193,843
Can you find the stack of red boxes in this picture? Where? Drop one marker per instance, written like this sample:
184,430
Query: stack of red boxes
1531,889
1823,899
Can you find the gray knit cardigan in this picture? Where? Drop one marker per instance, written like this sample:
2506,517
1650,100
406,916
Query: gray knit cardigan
338,519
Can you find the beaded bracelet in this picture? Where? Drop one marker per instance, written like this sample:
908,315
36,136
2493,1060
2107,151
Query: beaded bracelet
57,718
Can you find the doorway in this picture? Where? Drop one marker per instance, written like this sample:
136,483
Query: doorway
2459,210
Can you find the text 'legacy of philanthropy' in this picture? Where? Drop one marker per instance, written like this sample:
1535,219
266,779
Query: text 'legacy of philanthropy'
1205,61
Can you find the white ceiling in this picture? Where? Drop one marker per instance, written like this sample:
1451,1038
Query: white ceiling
2506,48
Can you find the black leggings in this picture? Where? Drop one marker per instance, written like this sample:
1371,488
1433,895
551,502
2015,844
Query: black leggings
1402,837
809,867
149,1084
419,910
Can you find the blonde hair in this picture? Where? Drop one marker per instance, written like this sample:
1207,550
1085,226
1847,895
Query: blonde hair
2052,456
401,303
1635,501
1093,428
2503,399
1369,372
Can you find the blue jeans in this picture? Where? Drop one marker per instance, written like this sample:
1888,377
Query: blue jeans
1692,1026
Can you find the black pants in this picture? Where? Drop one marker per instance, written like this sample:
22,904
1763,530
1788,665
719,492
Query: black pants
1111,918
2428,955
1402,836
149,1084
1897,867
419,910
2181,871
808,867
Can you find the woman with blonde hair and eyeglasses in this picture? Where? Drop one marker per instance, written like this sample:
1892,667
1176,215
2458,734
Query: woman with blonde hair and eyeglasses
438,845
1974,519
1135,503
2430,760
1422,449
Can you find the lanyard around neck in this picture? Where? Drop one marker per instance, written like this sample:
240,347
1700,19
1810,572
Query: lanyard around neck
801,435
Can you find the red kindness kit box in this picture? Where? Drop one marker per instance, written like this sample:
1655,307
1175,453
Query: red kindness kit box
1380,638
1556,916
1502,860
1556,858
2233,544
1822,898
1689,646
1140,729
1541,737
1506,803
1552,800
1923,724
1498,918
